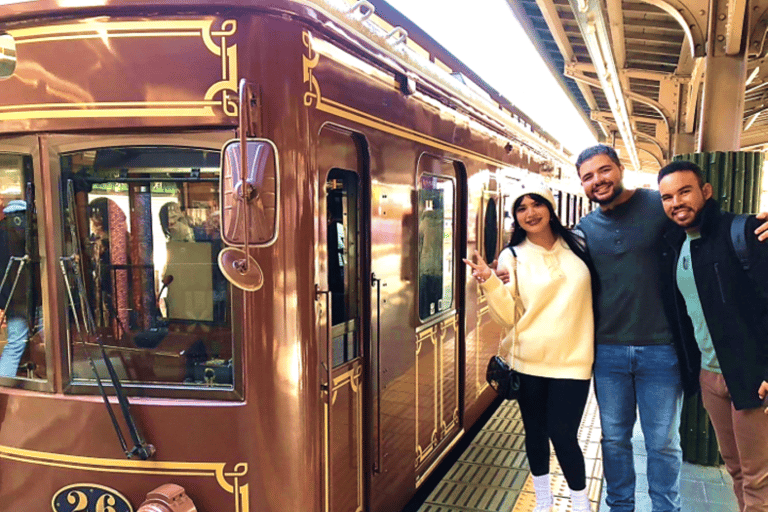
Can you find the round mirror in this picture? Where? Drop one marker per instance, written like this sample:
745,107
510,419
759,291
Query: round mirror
7,56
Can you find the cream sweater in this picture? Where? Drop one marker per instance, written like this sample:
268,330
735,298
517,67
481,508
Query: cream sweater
556,332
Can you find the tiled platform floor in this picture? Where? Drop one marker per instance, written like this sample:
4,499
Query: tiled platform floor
702,488
492,474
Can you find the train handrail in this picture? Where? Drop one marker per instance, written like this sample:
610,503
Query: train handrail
377,462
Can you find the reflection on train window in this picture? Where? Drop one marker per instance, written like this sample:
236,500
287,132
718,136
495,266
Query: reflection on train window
341,200
21,336
490,230
436,211
141,246
507,221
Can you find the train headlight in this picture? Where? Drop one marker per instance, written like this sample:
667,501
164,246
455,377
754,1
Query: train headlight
168,498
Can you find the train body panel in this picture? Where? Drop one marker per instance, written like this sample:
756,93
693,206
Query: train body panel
357,362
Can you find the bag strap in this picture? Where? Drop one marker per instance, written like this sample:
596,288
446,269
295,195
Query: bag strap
739,240
514,306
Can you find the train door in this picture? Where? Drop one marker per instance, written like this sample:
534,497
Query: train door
341,323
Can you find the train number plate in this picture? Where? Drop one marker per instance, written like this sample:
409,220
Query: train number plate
89,498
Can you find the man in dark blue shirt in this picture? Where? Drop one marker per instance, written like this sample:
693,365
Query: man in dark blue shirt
636,365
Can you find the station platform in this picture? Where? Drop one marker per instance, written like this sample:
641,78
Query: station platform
492,473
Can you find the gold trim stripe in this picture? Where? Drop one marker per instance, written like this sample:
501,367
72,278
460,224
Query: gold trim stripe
325,105
103,29
109,112
313,95
200,103
111,36
125,466
202,28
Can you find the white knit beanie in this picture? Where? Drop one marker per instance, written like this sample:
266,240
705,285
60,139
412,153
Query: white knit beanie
534,185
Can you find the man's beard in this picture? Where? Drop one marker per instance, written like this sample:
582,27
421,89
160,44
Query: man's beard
617,190
695,223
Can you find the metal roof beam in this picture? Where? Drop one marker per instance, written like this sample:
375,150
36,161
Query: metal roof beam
555,23
594,30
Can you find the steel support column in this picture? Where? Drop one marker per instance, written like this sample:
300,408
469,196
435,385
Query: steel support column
722,103
725,75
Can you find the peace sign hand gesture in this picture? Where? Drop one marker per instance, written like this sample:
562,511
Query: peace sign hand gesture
482,272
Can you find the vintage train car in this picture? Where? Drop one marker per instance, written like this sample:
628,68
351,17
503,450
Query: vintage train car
145,147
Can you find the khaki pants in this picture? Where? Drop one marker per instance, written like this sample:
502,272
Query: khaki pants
743,439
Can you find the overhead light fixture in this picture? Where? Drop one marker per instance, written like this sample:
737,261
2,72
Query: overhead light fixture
589,16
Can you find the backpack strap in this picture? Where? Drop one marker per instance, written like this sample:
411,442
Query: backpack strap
739,240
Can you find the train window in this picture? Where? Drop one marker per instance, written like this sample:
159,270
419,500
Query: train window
140,247
491,229
21,336
341,195
7,56
507,221
436,244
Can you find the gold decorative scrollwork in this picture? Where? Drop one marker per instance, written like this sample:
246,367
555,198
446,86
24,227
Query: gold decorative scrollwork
239,490
422,453
482,310
228,83
309,62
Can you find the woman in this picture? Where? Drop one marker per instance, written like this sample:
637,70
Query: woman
554,350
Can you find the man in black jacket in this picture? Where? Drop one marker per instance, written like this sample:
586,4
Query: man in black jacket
723,308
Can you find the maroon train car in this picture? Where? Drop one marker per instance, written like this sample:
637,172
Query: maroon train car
144,149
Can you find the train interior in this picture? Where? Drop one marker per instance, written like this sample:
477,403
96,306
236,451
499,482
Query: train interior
139,268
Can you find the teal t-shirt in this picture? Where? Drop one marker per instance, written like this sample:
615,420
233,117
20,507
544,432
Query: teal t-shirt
687,286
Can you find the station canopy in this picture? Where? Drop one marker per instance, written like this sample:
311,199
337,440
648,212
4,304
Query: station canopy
640,71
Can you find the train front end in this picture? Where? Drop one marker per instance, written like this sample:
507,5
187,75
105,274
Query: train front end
135,376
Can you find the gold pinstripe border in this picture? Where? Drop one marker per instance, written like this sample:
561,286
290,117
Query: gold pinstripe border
106,30
214,470
314,97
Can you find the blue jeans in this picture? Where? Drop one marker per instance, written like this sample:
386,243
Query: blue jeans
18,331
644,379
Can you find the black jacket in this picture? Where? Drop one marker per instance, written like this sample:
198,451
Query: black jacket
734,307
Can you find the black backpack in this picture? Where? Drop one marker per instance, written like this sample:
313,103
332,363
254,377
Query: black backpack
740,247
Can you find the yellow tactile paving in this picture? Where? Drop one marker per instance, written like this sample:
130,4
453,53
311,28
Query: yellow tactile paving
492,474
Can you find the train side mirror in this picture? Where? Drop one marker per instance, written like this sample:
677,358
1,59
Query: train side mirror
250,188
7,56
259,200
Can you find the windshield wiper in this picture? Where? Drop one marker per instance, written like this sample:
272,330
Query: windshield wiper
87,328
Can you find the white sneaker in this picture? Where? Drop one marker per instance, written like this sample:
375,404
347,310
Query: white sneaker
544,500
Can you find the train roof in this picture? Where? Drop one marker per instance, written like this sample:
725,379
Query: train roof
386,31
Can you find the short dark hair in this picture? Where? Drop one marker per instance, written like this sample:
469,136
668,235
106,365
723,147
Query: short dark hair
600,149
682,165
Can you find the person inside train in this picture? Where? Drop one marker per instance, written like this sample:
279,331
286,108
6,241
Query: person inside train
638,366
99,241
555,338
723,309
17,297
175,224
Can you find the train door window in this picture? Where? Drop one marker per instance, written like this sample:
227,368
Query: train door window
343,234
490,230
560,205
507,221
21,337
141,244
436,209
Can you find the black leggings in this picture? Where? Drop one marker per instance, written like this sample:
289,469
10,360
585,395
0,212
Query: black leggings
552,409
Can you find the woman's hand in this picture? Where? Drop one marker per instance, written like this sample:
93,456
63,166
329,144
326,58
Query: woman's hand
480,271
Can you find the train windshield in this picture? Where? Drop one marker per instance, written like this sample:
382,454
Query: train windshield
141,244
